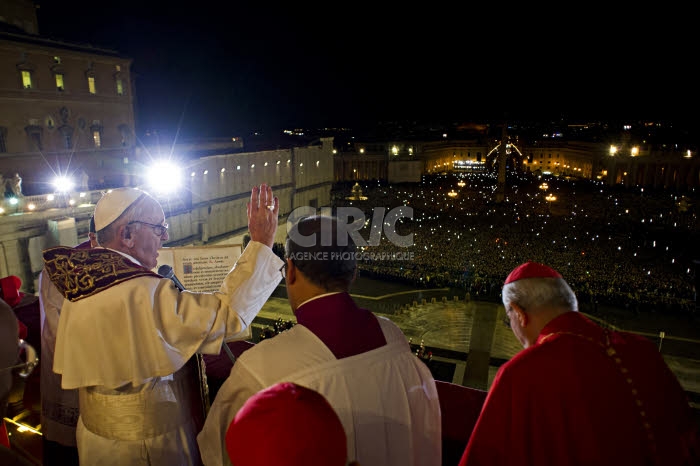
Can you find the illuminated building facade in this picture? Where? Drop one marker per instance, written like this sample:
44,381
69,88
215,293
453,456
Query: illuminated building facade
66,107
617,159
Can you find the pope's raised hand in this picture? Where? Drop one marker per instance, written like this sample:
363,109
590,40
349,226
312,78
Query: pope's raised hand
263,210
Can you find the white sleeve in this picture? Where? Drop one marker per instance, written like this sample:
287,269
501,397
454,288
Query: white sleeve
240,385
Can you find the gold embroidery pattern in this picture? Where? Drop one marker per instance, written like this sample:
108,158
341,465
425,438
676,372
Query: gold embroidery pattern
612,354
79,273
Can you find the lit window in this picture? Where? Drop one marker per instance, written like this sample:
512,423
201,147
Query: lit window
27,79
120,87
59,81
57,60
91,84
96,138
117,68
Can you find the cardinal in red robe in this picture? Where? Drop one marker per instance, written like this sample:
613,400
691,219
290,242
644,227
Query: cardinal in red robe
578,394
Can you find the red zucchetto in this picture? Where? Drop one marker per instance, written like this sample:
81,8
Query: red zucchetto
9,290
531,270
286,425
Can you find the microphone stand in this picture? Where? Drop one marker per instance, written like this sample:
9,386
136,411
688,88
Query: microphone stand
230,354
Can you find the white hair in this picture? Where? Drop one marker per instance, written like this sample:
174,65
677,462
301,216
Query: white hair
535,293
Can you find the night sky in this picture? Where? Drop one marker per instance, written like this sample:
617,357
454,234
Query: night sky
263,67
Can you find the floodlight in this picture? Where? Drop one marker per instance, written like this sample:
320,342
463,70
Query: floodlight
164,177
63,184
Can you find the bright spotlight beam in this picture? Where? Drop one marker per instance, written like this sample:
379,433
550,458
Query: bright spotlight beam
164,177
63,184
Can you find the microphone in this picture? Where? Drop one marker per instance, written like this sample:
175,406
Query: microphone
167,272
